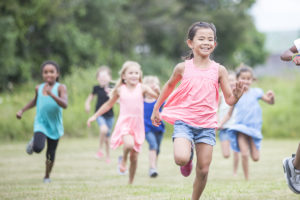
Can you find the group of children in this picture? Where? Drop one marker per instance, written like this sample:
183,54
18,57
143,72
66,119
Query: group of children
191,108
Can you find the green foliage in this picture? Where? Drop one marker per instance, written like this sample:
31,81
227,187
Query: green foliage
87,33
279,120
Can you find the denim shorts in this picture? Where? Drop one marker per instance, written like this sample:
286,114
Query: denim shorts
154,140
108,121
224,134
196,134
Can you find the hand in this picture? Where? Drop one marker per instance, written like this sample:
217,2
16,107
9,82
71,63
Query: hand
90,120
47,89
239,89
296,60
19,114
271,95
156,121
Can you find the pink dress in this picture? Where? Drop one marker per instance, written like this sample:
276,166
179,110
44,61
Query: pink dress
131,117
195,100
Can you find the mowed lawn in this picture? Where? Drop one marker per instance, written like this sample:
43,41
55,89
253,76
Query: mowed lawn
77,174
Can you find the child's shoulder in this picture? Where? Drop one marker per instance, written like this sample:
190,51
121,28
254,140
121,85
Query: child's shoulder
179,68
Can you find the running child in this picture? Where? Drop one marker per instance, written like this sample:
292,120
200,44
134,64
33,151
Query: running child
129,129
247,134
105,121
225,120
154,134
192,107
50,98
291,165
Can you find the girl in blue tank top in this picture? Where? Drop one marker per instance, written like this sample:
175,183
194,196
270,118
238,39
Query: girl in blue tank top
50,98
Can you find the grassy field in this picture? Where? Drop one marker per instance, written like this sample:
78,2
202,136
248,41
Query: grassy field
78,175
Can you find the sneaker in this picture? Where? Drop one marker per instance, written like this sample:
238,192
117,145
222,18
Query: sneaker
153,173
47,180
292,175
187,169
99,154
121,169
29,148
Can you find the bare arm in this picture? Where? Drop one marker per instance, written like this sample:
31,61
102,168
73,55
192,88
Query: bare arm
269,97
62,98
104,108
230,96
166,91
88,102
226,117
31,104
148,90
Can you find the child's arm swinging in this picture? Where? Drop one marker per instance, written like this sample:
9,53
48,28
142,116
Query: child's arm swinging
105,107
269,97
62,98
166,91
88,102
31,104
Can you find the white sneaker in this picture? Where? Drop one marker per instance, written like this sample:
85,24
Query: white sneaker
292,175
47,180
29,148
153,173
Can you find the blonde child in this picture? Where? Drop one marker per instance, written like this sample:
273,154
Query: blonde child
192,107
50,97
248,119
129,129
154,134
291,165
225,120
105,121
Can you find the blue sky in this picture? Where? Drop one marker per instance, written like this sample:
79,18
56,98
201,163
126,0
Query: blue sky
276,15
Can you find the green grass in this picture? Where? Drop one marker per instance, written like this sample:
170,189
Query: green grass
78,175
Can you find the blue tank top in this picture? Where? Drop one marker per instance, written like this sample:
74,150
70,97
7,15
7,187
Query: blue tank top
148,108
48,118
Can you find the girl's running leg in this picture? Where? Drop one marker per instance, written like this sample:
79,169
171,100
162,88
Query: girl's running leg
128,144
243,142
204,157
235,162
254,151
225,145
182,151
133,165
297,159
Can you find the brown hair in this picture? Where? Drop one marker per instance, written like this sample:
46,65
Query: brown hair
192,32
243,68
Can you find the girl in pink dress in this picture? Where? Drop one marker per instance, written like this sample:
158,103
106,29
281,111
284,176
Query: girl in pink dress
129,129
192,107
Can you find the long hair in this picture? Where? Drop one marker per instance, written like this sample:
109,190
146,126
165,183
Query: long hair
124,68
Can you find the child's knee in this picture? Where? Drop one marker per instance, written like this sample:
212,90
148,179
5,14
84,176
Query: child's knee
37,149
202,171
181,160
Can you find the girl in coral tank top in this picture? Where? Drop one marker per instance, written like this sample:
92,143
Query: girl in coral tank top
192,107
129,129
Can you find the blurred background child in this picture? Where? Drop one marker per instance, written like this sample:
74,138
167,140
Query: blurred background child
154,134
225,120
248,119
106,120
129,129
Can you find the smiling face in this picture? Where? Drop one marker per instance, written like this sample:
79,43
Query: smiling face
132,75
50,74
203,43
246,77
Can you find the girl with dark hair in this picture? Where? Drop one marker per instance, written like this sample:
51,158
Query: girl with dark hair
50,97
192,107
